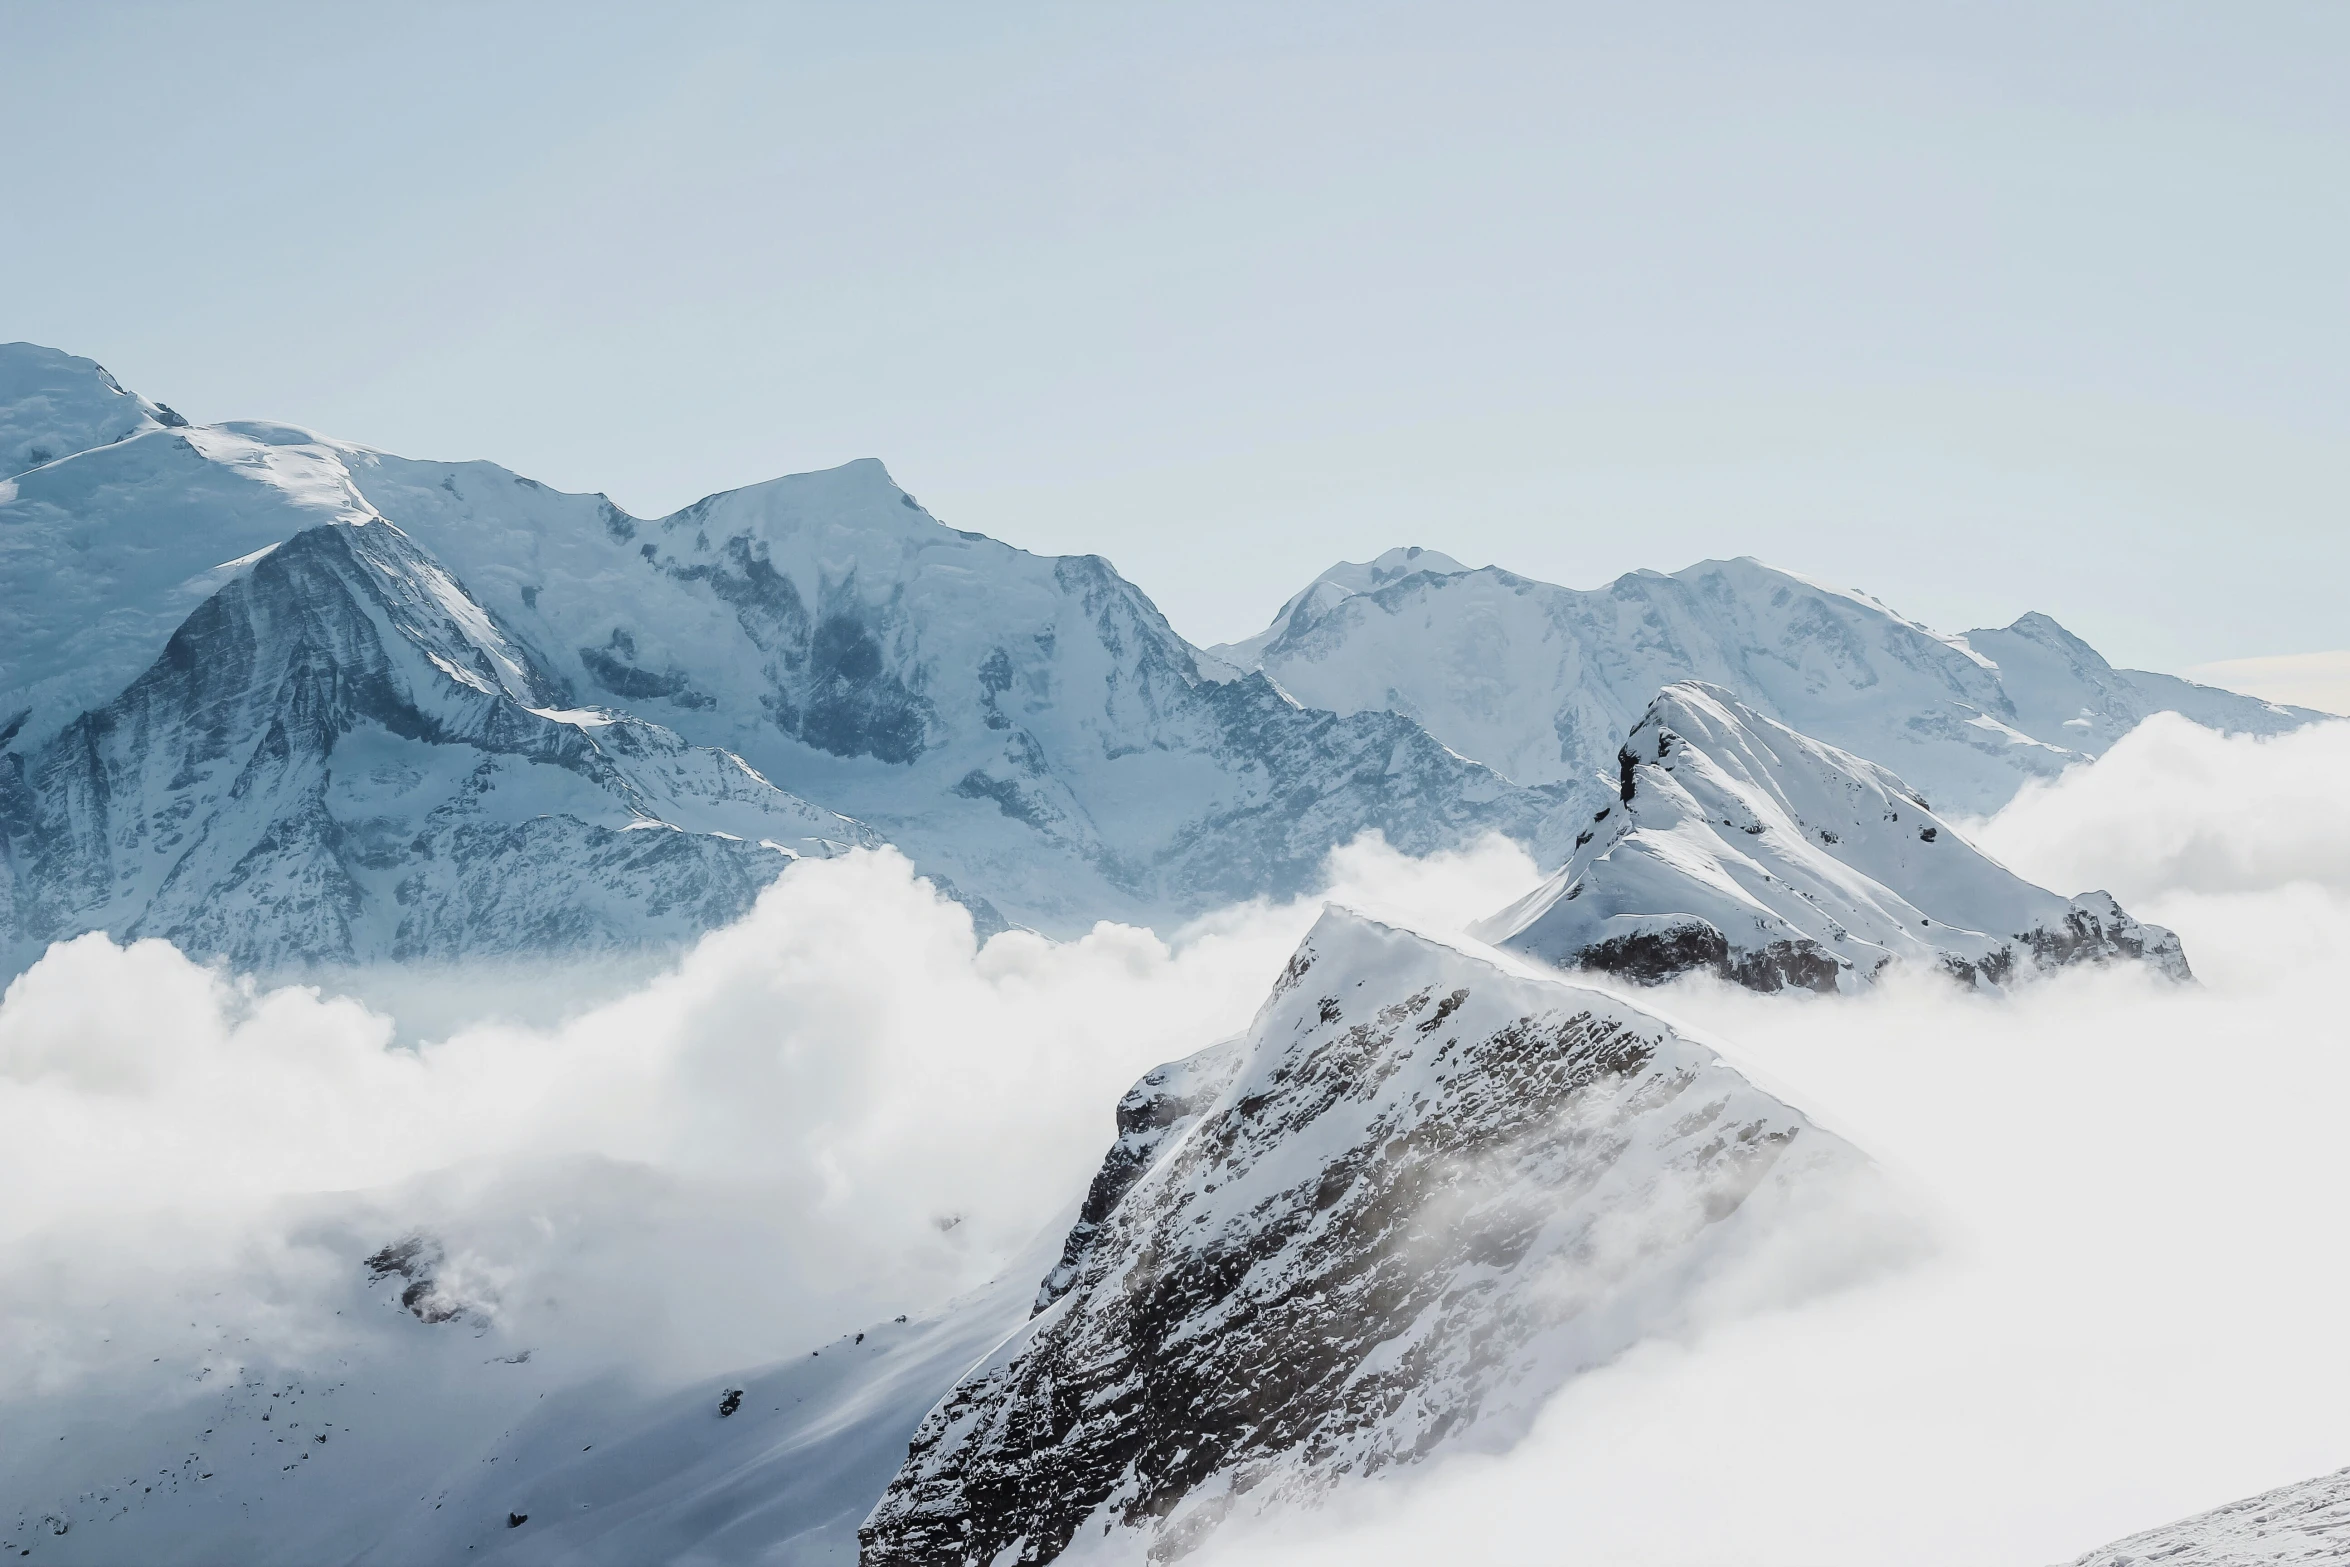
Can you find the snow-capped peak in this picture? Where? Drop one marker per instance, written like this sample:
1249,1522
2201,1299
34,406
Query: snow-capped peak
1739,846
53,404
1418,1195
1334,586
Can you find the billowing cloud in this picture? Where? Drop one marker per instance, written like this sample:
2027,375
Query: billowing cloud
840,1107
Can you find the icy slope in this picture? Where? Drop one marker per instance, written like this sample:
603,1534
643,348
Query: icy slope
1739,846
1415,1197
339,758
1542,682
1028,727
53,404
2300,1525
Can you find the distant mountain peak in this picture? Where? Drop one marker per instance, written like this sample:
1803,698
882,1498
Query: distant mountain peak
54,404
1541,682
1740,847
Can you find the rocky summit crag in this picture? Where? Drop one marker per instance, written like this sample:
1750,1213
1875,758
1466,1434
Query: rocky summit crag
1413,1199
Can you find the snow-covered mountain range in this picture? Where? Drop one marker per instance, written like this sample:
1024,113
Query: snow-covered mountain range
1418,1194
1542,682
1030,729
1740,847
600,719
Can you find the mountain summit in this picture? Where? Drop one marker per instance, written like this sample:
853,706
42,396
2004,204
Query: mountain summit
1740,847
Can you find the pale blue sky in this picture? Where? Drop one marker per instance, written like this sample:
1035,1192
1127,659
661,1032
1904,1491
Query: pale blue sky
1983,308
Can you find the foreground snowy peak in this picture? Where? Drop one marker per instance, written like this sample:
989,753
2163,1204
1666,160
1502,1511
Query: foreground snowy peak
1416,1196
1542,682
340,757
1740,847
54,404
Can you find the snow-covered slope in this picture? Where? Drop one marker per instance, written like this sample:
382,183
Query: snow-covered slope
338,757
1741,847
1542,682
1419,1193
1029,728
2301,1525
53,404
369,1433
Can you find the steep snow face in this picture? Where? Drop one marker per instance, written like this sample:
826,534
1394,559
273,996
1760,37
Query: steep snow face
54,404
340,757
1419,1193
2303,1525
1541,682
1742,847
104,554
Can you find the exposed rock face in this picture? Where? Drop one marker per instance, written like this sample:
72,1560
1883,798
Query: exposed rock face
1542,683
420,1264
2299,1525
1741,848
1417,1195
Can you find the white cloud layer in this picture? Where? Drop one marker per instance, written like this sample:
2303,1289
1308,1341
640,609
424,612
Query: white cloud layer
2140,1316
839,1108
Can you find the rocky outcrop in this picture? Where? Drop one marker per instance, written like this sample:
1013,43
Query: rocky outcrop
1414,1198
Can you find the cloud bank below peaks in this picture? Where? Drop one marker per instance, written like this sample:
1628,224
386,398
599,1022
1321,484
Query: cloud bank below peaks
846,1098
